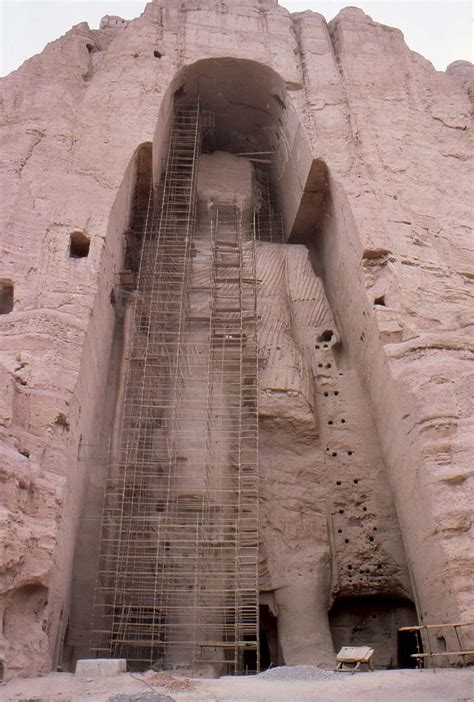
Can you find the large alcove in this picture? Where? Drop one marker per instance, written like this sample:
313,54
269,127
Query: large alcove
323,488
374,622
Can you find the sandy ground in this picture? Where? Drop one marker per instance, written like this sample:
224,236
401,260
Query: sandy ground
451,685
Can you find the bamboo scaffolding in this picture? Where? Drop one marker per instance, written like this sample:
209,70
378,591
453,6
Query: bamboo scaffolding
178,571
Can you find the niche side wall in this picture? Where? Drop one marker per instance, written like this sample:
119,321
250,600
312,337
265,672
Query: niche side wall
96,401
341,256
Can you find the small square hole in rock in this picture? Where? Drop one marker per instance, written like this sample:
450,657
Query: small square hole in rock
79,245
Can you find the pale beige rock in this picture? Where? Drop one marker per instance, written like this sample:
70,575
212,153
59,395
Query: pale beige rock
100,667
227,180
396,226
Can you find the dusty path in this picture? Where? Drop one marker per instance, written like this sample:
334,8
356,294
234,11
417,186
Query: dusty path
381,686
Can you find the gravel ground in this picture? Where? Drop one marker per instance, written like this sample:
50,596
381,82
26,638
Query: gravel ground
297,672
142,697
285,684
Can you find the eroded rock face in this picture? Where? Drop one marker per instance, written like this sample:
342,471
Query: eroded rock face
393,247
329,528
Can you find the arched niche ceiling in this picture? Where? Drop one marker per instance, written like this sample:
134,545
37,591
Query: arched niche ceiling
247,99
253,112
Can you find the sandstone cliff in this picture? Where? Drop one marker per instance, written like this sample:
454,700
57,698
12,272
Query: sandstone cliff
393,241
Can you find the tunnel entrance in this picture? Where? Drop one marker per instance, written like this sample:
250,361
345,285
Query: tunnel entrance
409,643
270,653
269,646
375,621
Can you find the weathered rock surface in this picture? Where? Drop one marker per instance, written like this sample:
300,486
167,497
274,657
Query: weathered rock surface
395,252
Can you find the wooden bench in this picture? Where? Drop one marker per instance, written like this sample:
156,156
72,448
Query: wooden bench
350,658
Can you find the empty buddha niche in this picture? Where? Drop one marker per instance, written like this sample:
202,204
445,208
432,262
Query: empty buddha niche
227,306
210,446
249,504
211,427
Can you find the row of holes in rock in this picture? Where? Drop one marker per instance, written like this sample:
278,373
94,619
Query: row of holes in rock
366,571
339,483
364,509
327,393
362,570
347,541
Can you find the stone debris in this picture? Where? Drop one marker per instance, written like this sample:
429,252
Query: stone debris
169,682
298,673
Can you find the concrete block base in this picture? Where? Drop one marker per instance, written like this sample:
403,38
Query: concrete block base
100,667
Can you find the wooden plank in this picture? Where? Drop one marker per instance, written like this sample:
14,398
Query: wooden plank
442,653
222,644
440,626
411,628
434,626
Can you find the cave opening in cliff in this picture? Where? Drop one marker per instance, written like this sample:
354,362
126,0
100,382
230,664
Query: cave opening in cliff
6,296
409,644
375,622
270,649
79,245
